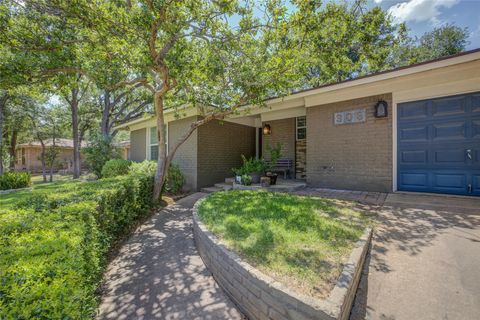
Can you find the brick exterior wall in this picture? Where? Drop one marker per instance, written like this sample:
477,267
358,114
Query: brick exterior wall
220,146
138,139
283,131
186,155
350,156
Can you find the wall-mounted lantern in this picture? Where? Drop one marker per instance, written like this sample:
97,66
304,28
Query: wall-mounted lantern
266,129
381,109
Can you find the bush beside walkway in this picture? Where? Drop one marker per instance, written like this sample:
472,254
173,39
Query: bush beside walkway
54,242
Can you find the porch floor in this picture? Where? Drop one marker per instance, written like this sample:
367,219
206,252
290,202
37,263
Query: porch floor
282,185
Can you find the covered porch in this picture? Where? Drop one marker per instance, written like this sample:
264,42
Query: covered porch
285,127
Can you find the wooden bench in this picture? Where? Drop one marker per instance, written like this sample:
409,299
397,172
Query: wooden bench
283,165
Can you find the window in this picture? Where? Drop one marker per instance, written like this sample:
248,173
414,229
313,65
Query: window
152,143
301,128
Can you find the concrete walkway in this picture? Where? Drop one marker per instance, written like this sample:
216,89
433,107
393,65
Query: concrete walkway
158,273
424,261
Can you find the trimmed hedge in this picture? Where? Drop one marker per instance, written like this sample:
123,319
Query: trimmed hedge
115,167
14,180
54,242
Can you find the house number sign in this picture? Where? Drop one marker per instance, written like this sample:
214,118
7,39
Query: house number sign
352,116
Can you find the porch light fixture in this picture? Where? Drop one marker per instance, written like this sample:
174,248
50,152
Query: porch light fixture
381,109
266,129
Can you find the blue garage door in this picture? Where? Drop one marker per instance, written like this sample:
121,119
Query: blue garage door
439,145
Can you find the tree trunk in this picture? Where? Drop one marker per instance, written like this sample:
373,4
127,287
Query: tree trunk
162,148
13,149
105,123
42,158
3,102
75,134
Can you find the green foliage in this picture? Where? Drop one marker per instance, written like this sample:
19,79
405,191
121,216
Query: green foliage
98,152
143,168
175,180
252,165
14,180
55,239
442,41
342,40
246,180
275,155
115,167
303,241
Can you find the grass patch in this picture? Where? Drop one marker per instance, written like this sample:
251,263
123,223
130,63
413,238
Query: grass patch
54,242
300,241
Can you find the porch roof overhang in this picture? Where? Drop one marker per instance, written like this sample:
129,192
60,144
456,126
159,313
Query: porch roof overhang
403,79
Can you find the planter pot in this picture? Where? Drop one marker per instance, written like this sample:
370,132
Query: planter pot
238,179
273,178
265,182
255,177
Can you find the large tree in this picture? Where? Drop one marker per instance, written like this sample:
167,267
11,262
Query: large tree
343,40
213,55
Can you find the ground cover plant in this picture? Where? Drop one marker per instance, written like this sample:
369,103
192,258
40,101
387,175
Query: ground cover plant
300,241
54,242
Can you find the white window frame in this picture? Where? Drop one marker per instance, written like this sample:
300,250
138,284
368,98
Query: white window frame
148,155
300,127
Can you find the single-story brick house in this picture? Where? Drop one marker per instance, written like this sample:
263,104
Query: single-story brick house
29,155
427,139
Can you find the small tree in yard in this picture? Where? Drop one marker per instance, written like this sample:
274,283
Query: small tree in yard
98,152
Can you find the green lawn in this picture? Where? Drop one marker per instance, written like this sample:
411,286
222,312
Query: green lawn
300,241
54,242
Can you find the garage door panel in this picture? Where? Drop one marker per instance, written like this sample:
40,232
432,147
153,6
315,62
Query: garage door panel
475,100
449,181
414,180
450,157
433,139
449,131
414,157
414,111
476,129
448,107
416,133
476,184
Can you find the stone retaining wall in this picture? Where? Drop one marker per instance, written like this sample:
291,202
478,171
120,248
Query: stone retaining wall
261,297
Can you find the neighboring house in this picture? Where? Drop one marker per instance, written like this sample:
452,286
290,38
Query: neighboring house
124,149
427,139
29,155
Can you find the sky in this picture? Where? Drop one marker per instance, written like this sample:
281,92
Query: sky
424,15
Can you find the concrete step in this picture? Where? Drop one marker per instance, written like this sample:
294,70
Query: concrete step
211,189
230,181
224,186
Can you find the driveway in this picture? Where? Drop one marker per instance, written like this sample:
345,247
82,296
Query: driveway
424,261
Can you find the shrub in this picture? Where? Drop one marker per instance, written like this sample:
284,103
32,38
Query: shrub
115,167
246,180
100,149
174,181
250,165
144,168
54,243
14,180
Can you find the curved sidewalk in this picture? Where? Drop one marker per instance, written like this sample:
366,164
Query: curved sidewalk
158,273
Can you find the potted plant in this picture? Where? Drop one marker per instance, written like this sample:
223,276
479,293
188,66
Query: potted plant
275,154
246,180
254,167
238,172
